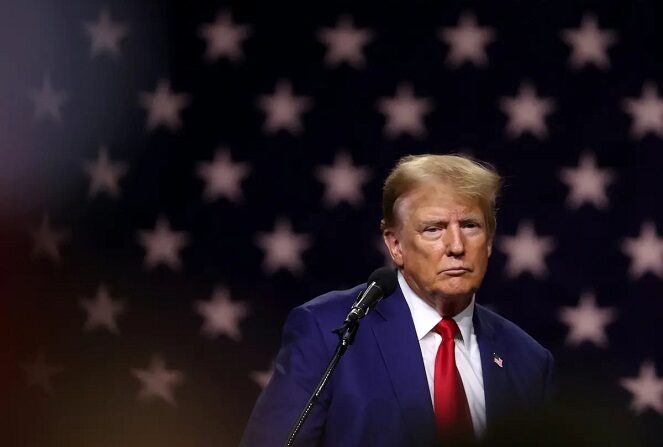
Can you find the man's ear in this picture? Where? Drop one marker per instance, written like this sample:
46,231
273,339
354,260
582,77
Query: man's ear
393,244
490,246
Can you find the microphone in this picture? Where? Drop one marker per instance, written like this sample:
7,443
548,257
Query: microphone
380,284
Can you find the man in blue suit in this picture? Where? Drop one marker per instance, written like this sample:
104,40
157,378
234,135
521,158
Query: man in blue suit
429,365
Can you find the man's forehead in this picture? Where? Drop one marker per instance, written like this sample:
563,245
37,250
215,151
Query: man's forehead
436,215
437,194
438,212
435,205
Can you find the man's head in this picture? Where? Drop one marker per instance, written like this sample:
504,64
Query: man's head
438,224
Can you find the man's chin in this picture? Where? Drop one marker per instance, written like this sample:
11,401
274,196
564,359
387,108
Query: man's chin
455,292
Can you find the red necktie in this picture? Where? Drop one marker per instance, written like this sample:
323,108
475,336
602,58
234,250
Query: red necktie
452,412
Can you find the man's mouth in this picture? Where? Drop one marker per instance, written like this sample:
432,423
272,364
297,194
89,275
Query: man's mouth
457,271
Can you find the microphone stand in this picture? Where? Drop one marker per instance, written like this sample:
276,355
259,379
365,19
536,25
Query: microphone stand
346,335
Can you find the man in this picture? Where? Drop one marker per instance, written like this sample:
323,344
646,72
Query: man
428,364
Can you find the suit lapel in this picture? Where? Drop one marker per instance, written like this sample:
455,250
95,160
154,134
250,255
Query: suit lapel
395,335
495,381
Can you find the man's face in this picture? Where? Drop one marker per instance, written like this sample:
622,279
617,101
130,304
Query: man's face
440,243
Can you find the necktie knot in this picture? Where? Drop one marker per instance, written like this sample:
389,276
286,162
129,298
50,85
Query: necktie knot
447,328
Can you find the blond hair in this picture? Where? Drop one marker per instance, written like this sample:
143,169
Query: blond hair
468,178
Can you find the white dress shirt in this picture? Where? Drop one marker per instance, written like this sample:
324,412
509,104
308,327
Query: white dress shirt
468,358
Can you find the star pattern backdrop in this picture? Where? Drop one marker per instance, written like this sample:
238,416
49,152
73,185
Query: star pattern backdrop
175,177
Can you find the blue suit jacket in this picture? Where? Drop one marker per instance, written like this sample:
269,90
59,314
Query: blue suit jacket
379,395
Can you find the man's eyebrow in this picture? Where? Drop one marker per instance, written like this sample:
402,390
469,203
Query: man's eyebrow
471,216
467,219
434,221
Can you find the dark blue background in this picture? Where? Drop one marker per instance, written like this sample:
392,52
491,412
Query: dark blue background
94,398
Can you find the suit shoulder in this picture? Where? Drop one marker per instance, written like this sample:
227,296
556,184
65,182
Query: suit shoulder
334,301
329,307
514,334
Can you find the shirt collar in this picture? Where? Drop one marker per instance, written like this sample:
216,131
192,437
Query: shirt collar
425,316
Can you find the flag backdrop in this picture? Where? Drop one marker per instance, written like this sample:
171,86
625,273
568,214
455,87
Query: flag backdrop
176,176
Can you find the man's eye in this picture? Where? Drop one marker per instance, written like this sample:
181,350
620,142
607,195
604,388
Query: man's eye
471,225
431,230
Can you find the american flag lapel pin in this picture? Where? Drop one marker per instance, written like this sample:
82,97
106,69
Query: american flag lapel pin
498,360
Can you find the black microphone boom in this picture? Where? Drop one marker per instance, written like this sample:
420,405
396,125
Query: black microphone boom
380,284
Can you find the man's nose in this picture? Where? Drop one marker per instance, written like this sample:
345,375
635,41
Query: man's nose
454,243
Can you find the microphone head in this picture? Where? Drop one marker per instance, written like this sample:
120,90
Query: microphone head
385,278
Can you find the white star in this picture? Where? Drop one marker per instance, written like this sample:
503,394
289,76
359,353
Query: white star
162,245
102,311
526,112
262,378
47,240
587,322
224,37
589,44
157,381
105,35
405,112
645,251
104,174
646,112
223,177
39,373
345,43
646,388
283,110
467,41
164,106
222,316
343,180
48,101
587,183
283,248
526,251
